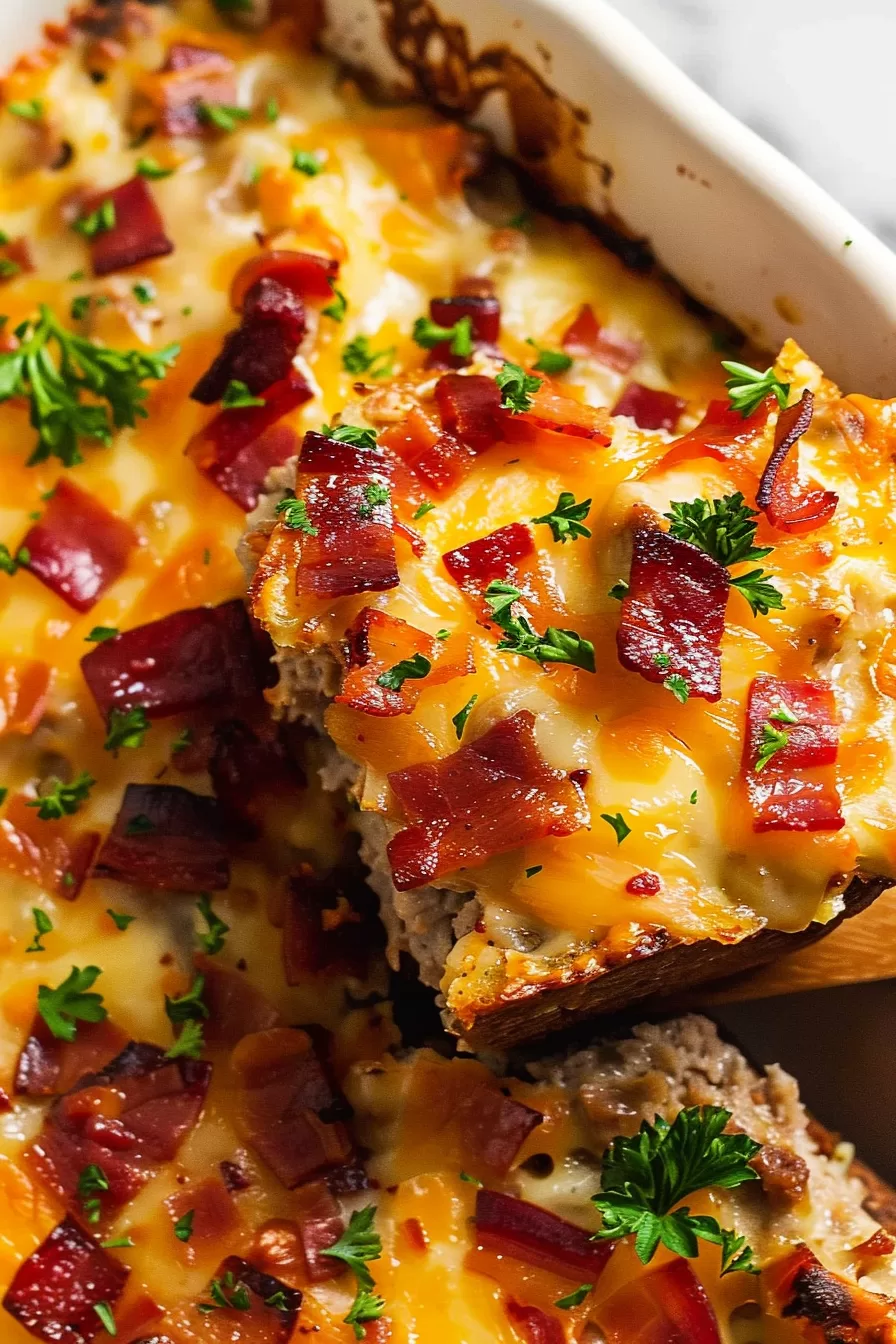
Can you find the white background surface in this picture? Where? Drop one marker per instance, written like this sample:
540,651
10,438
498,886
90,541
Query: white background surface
814,77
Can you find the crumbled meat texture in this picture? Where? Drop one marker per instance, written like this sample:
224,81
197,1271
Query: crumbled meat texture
784,1174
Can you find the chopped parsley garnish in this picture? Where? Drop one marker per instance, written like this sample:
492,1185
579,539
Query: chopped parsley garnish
100,633
338,308
8,268
10,564
550,361
3,793
91,1183
566,519
422,510
575,1298
277,1301
619,591
58,413
374,493
773,740
460,336
617,823
358,1245
43,925
226,1292
119,920
80,307
183,1228
187,1007
69,1003
144,292
303,161
644,1177
117,1243
189,1044
212,941
534,870
460,718
693,797
271,110
220,116
126,728
293,514
237,396
358,357
662,661
151,168
140,824
100,220
748,388
104,1311
29,109
679,687
470,1180
409,669
62,800
554,646
353,434
517,388
725,529
183,740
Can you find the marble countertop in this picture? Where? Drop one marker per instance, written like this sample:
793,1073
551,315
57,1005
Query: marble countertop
813,77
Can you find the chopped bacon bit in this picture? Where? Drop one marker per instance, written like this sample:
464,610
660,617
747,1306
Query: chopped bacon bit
329,924
879,1243
320,1225
797,789
78,548
643,884
48,1066
668,1303
415,1235
237,449
476,286
235,1007
192,77
783,1174
138,233
260,351
723,433
249,766
129,1119
493,1128
378,642
673,616
561,415
215,1216
55,1290
585,339
306,274
470,409
490,796
487,559
353,547
799,1286
24,692
203,657
17,256
529,1233
650,408
290,1111
438,458
234,1175
790,506
49,853
536,1325
167,839
484,313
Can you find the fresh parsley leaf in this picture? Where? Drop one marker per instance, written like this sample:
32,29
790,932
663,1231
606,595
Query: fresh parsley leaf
566,519
104,1311
271,110
460,336
442,634
409,669
550,361
617,823
220,116
358,1245
662,661
374,493
9,268
183,740
303,161
338,308
237,396
619,591
30,109
11,564
183,1228
43,925
140,824
678,687
575,1298
56,389
725,529
367,1306
3,793
212,941
91,1183
470,1180
189,1007
80,307
117,1243
69,1003
517,388
783,714
126,728
100,633
152,170
460,718
226,1292
643,1179
693,797
62,800
358,357
100,220
144,292
293,514
353,434
119,920
554,646
773,740
422,510
534,870
762,596
748,388
189,1044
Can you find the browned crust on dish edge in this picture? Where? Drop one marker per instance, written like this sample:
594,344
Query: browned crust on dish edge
653,978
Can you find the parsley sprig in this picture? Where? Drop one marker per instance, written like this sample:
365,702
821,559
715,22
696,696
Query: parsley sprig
227,1291
748,388
517,388
725,529
460,335
190,1011
213,940
554,646
293,513
643,1178
126,728
353,434
359,357
55,386
566,519
92,1182
62,800
409,669
359,1244
71,1002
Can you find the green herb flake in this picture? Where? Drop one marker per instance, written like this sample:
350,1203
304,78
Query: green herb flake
617,824
9,268
693,798
183,740
152,170
42,926
338,308
357,1246
92,1182
10,564
183,1228
575,1298
71,1002
100,220
126,728
100,633
303,161
517,388
460,718
271,110
213,940
619,591
459,337
409,669
222,117
144,291
62,800
566,519
104,1311
470,1180
226,1292
119,920
773,741
237,397
550,362
422,510
117,1243
31,109
748,388
140,824
678,686
359,357
293,513
189,1044
374,493
534,870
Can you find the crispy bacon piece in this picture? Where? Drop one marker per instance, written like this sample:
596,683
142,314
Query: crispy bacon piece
353,548
320,1225
377,642
260,351
560,414
215,1215
673,615
510,555
78,548
248,766
470,409
799,1286
435,456
129,1119
269,1319
490,796
650,408
493,1128
536,1326
235,1007
586,339
529,1233
138,233
49,853
484,312
307,274
48,1066
329,924
290,1111
167,839
723,433
237,449
797,789
55,1290
788,505
667,1305
203,657
191,77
